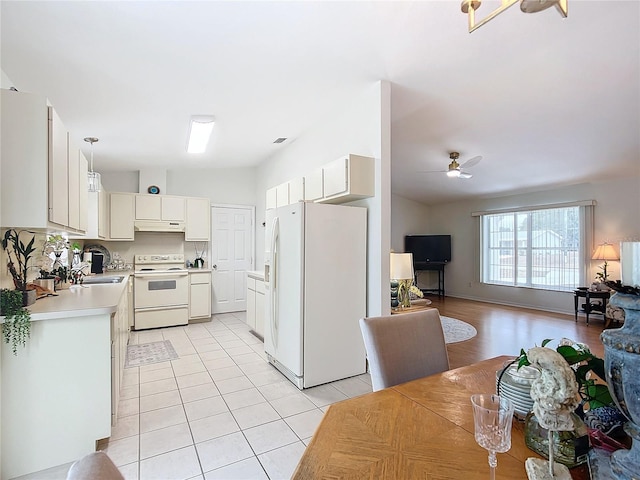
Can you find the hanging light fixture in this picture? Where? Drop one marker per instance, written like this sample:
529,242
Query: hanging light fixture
93,178
469,8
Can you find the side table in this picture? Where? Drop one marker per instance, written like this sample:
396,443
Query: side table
590,307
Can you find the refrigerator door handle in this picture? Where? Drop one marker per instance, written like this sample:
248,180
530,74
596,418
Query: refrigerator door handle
273,323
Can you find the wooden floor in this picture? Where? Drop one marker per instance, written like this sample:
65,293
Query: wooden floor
504,330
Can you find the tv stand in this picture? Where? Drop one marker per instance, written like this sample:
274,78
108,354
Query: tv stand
431,266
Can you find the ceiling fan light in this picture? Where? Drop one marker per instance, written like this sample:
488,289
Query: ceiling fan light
534,6
453,173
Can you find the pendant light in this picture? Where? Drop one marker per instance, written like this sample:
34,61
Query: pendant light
93,177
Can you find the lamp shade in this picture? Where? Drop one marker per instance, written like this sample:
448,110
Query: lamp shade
605,251
401,266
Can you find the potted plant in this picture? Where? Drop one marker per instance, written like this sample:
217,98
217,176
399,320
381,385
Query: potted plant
20,253
593,394
16,327
597,407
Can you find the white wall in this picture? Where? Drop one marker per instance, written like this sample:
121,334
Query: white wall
615,218
408,217
120,181
363,128
232,186
5,82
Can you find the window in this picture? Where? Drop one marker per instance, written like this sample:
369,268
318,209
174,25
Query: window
542,248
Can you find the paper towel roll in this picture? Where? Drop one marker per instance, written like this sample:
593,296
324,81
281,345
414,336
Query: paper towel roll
87,257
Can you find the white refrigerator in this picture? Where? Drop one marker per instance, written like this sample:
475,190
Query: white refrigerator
315,287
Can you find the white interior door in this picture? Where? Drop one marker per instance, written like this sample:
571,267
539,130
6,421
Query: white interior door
231,257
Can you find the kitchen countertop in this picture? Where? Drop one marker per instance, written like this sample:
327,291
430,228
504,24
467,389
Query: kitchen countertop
80,300
196,270
258,274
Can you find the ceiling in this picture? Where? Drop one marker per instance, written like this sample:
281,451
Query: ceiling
546,101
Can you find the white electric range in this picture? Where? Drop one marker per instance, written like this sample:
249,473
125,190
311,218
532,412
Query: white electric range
161,291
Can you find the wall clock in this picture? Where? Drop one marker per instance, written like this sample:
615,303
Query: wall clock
153,189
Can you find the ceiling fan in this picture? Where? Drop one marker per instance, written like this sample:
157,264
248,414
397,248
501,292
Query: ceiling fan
455,170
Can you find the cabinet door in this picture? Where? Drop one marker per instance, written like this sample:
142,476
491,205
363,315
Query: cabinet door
282,194
251,308
198,225
313,189
260,314
296,190
173,208
271,201
335,177
58,170
148,207
83,192
200,300
24,149
121,212
74,187
103,213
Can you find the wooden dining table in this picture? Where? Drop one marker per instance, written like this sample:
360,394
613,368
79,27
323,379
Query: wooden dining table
422,429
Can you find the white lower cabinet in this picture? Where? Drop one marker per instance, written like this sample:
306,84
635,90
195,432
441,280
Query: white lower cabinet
199,295
255,304
119,341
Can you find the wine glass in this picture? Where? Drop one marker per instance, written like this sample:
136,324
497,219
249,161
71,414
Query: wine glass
492,416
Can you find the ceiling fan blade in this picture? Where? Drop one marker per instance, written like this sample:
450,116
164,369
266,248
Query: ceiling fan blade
471,162
465,175
431,171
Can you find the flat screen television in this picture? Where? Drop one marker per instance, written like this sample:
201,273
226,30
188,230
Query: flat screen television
428,248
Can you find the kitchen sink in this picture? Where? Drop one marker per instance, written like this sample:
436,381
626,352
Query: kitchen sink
103,279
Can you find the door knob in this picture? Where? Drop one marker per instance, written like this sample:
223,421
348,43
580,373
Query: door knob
215,267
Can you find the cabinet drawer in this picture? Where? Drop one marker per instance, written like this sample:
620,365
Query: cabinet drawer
259,286
251,283
199,277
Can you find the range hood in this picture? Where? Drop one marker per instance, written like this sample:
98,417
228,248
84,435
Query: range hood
158,226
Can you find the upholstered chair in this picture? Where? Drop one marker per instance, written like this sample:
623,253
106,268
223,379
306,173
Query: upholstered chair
404,347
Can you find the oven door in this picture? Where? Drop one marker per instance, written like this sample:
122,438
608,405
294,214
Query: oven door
165,289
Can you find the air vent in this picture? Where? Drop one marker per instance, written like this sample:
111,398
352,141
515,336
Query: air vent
279,140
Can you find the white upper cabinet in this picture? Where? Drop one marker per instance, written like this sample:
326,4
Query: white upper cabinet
198,226
313,185
160,207
286,193
296,190
271,201
121,216
41,175
58,170
173,208
148,207
83,192
282,194
348,178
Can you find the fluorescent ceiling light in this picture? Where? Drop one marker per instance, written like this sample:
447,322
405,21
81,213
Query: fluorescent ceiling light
199,133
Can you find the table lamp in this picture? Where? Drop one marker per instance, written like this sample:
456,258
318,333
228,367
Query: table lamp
604,251
402,271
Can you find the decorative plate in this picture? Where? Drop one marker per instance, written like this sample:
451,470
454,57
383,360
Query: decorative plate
153,189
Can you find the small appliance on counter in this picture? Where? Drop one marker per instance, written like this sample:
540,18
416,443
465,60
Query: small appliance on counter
97,262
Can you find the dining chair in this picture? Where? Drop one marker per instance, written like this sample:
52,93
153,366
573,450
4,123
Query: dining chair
401,348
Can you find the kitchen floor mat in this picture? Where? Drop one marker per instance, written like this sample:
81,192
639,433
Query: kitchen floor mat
148,353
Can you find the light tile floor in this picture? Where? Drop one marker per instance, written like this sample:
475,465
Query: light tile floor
220,411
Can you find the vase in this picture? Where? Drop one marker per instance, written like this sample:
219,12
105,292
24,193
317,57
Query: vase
404,299
570,448
29,297
622,364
